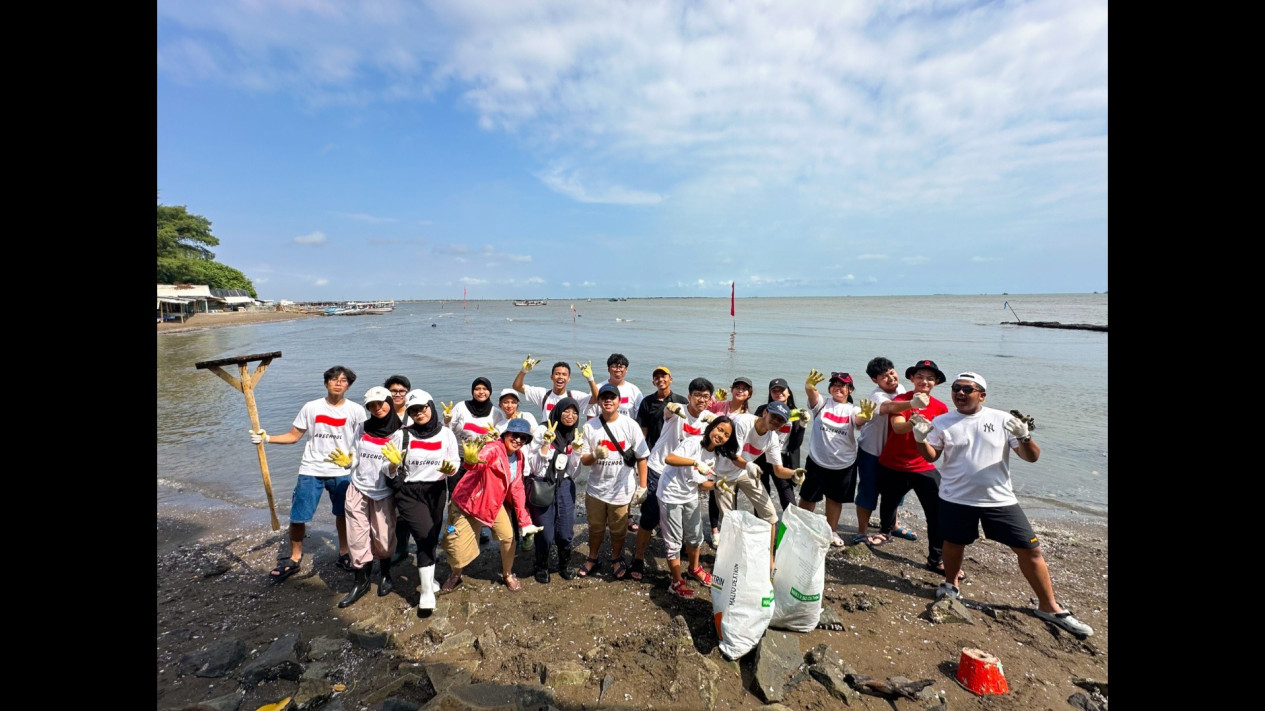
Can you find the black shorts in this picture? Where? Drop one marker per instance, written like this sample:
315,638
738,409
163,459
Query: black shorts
1007,525
650,507
839,485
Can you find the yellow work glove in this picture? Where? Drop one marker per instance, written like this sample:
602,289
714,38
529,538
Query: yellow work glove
722,394
550,433
799,415
577,445
258,437
490,430
706,416
340,458
393,453
675,408
723,484
867,409
470,452
530,363
601,452
814,378
586,369
798,477
447,411
447,468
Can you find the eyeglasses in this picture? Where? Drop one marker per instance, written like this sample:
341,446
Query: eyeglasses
700,396
399,393
968,389
617,367
340,381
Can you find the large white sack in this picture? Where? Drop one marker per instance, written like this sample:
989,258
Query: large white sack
742,594
799,575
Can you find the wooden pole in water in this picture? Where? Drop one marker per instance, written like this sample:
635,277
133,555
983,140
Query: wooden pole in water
245,383
1012,310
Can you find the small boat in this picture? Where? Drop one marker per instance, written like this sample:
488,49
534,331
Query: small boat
531,302
361,308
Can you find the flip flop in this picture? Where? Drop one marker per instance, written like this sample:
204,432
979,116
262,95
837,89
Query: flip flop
284,569
902,532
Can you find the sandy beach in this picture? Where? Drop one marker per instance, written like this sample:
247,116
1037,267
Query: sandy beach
229,318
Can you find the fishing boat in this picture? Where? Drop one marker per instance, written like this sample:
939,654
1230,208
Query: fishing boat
531,302
361,308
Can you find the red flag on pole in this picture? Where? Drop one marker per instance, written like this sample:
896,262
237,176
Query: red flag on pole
731,298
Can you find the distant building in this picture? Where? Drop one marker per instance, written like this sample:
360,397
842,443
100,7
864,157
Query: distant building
179,302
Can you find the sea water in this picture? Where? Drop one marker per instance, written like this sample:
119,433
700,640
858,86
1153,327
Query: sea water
1057,376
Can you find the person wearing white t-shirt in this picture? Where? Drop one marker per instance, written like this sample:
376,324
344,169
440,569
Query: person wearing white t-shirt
507,409
872,438
971,449
688,470
832,447
398,386
629,394
560,375
614,482
332,422
754,436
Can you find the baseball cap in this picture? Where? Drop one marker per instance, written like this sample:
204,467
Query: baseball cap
507,391
377,393
417,397
779,408
778,383
927,365
664,368
974,378
839,376
744,381
518,426
607,388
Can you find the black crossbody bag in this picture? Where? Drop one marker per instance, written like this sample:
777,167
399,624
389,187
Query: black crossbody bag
630,458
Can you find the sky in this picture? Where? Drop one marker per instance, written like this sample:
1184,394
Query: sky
572,149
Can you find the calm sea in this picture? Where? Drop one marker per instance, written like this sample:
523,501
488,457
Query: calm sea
204,455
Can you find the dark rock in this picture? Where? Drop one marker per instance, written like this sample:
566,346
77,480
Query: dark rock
831,677
394,704
312,693
214,660
565,673
1092,685
486,641
679,639
1081,701
607,682
228,702
829,619
857,554
948,610
824,654
411,686
316,670
366,637
279,661
324,647
777,656
463,640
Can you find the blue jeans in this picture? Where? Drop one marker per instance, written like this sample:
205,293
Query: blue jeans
307,494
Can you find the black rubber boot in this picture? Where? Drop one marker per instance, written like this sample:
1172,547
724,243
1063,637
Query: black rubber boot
564,563
402,533
542,564
386,585
358,588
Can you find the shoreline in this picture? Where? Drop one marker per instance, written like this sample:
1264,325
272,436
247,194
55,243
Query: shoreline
202,322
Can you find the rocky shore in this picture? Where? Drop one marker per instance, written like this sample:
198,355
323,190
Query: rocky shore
229,639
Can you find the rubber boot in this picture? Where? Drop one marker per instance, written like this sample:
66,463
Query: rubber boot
386,585
426,603
564,562
359,587
402,533
542,564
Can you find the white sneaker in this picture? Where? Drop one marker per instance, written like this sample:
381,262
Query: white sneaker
836,541
1065,620
948,590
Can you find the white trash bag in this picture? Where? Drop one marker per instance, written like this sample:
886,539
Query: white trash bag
799,577
742,595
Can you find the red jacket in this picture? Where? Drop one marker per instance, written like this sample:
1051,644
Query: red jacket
483,489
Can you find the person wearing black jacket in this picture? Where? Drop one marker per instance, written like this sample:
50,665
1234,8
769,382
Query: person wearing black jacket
791,435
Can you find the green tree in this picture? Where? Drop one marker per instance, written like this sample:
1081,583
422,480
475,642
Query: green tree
184,254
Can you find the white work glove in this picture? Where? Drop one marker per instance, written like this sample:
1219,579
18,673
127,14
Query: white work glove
920,400
530,363
798,477
528,530
753,470
258,436
601,452
639,496
675,408
922,428
1018,428
704,467
706,416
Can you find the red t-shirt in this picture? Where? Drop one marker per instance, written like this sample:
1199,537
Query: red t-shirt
900,453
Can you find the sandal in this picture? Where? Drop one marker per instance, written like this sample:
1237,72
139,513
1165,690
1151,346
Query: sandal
681,589
450,584
701,576
618,568
877,539
637,569
589,566
902,532
344,562
285,568
511,582
634,527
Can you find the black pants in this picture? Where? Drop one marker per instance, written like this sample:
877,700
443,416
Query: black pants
893,485
420,506
785,487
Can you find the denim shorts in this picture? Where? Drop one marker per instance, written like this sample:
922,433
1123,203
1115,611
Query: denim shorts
307,494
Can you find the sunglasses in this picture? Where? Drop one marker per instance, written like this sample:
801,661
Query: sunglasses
968,389
521,439
841,376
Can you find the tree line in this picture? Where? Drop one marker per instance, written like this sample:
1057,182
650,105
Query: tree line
184,254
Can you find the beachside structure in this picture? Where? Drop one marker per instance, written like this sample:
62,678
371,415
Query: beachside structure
179,302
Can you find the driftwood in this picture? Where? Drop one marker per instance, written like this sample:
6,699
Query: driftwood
897,687
1056,324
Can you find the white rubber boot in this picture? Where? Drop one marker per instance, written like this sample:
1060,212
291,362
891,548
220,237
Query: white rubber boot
427,588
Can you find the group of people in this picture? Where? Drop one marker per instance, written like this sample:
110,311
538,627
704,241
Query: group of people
392,466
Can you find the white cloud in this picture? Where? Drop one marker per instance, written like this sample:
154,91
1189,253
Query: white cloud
570,185
471,281
362,217
985,259
870,256
312,238
321,282
915,260
534,280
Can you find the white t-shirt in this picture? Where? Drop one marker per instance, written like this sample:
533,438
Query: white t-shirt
629,400
424,456
832,443
874,435
369,471
546,398
500,420
974,461
751,444
679,485
610,480
541,457
328,428
467,426
675,430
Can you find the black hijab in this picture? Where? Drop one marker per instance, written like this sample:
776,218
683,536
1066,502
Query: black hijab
476,408
564,435
431,428
383,426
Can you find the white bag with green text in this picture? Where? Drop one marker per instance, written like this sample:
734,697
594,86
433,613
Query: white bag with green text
742,594
799,575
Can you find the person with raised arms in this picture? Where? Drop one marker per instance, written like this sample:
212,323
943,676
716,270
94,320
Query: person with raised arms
832,447
560,375
615,452
629,394
332,422
971,448
689,469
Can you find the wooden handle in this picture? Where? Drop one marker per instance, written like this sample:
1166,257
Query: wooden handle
248,389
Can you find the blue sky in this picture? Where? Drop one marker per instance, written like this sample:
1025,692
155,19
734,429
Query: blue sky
366,150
